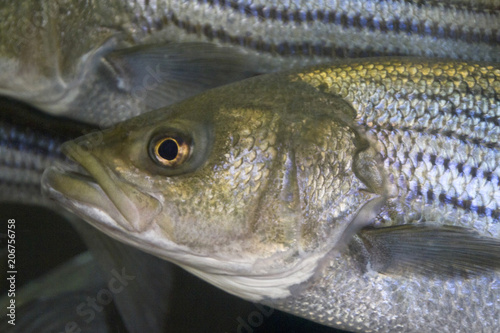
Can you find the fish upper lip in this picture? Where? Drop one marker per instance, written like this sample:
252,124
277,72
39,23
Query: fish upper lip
137,209
72,168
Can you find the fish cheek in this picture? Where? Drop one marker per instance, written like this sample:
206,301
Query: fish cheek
199,212
217,203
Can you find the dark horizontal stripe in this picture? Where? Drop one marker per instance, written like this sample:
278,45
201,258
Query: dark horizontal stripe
464,5
435,132
467,93
435,160
10,189
465,204
28,163
12,137
31,131
458,111
371,23
459,6
28,143
281,49
463,169
18,171
27,148
16,183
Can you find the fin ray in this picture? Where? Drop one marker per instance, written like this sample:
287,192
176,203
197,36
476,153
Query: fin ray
427,249
167,73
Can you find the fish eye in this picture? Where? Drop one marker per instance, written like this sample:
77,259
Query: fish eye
169,150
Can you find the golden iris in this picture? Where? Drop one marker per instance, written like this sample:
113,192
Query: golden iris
171,151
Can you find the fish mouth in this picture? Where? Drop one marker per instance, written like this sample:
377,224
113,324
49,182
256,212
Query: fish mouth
94,192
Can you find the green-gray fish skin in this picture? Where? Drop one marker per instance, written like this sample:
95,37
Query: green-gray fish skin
105,61
363,195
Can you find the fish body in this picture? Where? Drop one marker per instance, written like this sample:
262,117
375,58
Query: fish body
106,61
362,195
29,143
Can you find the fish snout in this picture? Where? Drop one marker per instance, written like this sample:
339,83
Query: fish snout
137,209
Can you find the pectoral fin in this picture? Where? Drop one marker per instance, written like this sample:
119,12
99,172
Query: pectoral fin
167,73
426,249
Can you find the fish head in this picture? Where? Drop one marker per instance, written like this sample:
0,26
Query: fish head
236,183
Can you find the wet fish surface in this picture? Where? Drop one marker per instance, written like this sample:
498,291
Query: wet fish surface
87,60
105,61
362,195
29,143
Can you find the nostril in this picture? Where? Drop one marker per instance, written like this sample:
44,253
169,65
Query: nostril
137,209
81,145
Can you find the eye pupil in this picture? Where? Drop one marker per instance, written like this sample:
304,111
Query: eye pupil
168,149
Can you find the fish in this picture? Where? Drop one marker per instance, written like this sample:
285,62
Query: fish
75,280
100,78
89,61
362,195
30,142
107,61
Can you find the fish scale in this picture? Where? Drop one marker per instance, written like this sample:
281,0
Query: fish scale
367,218
107,61
445,166
264,26
29,143
459,29
404,133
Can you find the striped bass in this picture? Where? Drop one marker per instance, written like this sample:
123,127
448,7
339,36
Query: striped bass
29,143
86,60
363,195
106,61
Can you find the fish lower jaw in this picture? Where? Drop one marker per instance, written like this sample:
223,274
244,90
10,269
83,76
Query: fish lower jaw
70,187
235,277
252,278
95,216
276,284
